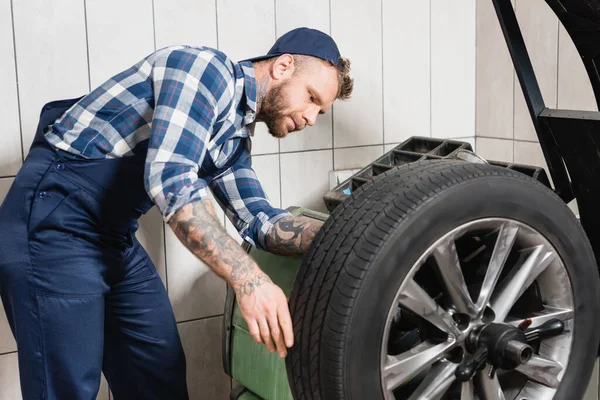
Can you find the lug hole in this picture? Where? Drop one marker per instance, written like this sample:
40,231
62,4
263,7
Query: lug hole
456,355
488,315
462,321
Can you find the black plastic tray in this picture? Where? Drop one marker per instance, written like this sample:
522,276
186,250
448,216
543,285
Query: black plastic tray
414,149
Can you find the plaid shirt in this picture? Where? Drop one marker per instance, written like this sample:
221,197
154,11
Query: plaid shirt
192,110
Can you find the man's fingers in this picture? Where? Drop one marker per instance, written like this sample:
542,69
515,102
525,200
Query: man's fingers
265,333
254,331
285,321
276,334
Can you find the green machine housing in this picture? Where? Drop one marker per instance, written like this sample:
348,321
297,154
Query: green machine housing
260,374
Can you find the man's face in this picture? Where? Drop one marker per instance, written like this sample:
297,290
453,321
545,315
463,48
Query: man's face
291,104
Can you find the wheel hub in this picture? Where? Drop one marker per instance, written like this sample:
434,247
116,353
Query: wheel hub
502,346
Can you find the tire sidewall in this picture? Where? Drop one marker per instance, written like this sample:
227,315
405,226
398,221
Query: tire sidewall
483,197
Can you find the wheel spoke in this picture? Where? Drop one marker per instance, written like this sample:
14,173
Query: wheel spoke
504,243
451,272
414,298
518,281
542,370
538,318
400,368
437,382
466,391
488,389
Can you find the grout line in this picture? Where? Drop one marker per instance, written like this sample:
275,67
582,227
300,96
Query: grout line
217,20
12,15
87,45
154,24
8,353
7,176
200,319
280,182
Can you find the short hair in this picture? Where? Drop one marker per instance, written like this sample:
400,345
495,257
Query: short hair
345,81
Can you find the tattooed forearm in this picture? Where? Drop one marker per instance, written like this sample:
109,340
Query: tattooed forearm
198,229
292,235
250,285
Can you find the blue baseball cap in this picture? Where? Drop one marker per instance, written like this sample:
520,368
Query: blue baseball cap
304,41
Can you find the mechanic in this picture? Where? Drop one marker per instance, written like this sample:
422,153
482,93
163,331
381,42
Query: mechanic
80,293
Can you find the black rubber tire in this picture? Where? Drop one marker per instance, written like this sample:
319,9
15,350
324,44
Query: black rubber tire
348,279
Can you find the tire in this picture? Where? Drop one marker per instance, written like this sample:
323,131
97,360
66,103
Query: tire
351,275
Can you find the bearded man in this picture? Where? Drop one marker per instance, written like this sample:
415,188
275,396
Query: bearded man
80,293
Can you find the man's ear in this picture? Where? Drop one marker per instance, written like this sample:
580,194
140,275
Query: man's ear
283,67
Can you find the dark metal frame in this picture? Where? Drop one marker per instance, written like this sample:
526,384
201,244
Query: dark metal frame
570,139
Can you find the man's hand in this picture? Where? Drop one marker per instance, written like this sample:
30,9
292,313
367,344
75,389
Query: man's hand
262,303
292,236
264,307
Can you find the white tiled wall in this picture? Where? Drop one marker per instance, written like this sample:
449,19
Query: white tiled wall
414,75
504,128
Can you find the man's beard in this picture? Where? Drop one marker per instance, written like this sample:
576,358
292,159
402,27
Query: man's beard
270,110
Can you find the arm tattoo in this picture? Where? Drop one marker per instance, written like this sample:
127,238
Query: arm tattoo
198,229
250,285
292,236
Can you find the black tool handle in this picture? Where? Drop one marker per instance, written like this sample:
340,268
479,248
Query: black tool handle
548,329
467,369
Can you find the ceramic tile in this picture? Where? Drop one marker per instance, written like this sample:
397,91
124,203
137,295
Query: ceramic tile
305,178
529,153
390,146
263,142
356,157
358,122
10,152
453,68
151,235
267,170
470,140
10,388
495,76
315,137
574,88
194,289
117,40
495,149
406,70
233,15
185,22
539,26
47,33
201,342
292,14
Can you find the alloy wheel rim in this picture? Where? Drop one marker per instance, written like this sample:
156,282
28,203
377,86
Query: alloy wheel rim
504,283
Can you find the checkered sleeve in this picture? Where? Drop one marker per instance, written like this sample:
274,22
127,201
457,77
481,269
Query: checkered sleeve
192,90
246,205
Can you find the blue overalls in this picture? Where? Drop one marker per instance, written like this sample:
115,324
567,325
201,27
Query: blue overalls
81,294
